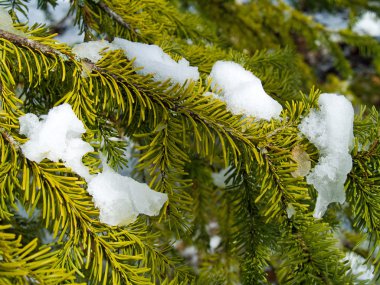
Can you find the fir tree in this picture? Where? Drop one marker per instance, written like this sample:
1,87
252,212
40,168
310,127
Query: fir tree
239,206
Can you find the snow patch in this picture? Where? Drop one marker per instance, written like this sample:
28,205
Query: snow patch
91,50
358,266
155,61
57,136
150,59
330,129
368,24
121,199
191,253
219,178
243,92
215,242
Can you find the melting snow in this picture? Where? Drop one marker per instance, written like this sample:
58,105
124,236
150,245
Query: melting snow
91,50
331,130
215,242
219,178
151,59
243,92
358,266
368,24
155,61
121,198
57,136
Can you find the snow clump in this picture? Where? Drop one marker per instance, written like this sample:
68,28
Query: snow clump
91,50
243,92
358,266
57,136
219,178
368,24
215,242
150,59
330,129
155,61
121,198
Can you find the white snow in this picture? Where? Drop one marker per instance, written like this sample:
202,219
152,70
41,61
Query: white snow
358,266
219,178
91,50
6,23
330,129
368,24
57,136
215,242
243,92
154,60
212,227
191,253
149,59
121,199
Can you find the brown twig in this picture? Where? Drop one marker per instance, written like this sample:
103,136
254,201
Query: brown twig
28,43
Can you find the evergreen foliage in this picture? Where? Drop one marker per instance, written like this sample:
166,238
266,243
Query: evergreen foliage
179,136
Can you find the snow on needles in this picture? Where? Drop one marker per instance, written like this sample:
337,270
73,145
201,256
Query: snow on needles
121,198
57,136
156,61
331,130
91,50
151,59
368,24
243,92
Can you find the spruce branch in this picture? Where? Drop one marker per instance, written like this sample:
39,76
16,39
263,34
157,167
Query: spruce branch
114,15
28,264
173,127
26,42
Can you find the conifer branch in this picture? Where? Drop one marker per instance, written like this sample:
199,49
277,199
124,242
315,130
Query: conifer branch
181,135
114,15
26,264
24,41
203,117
